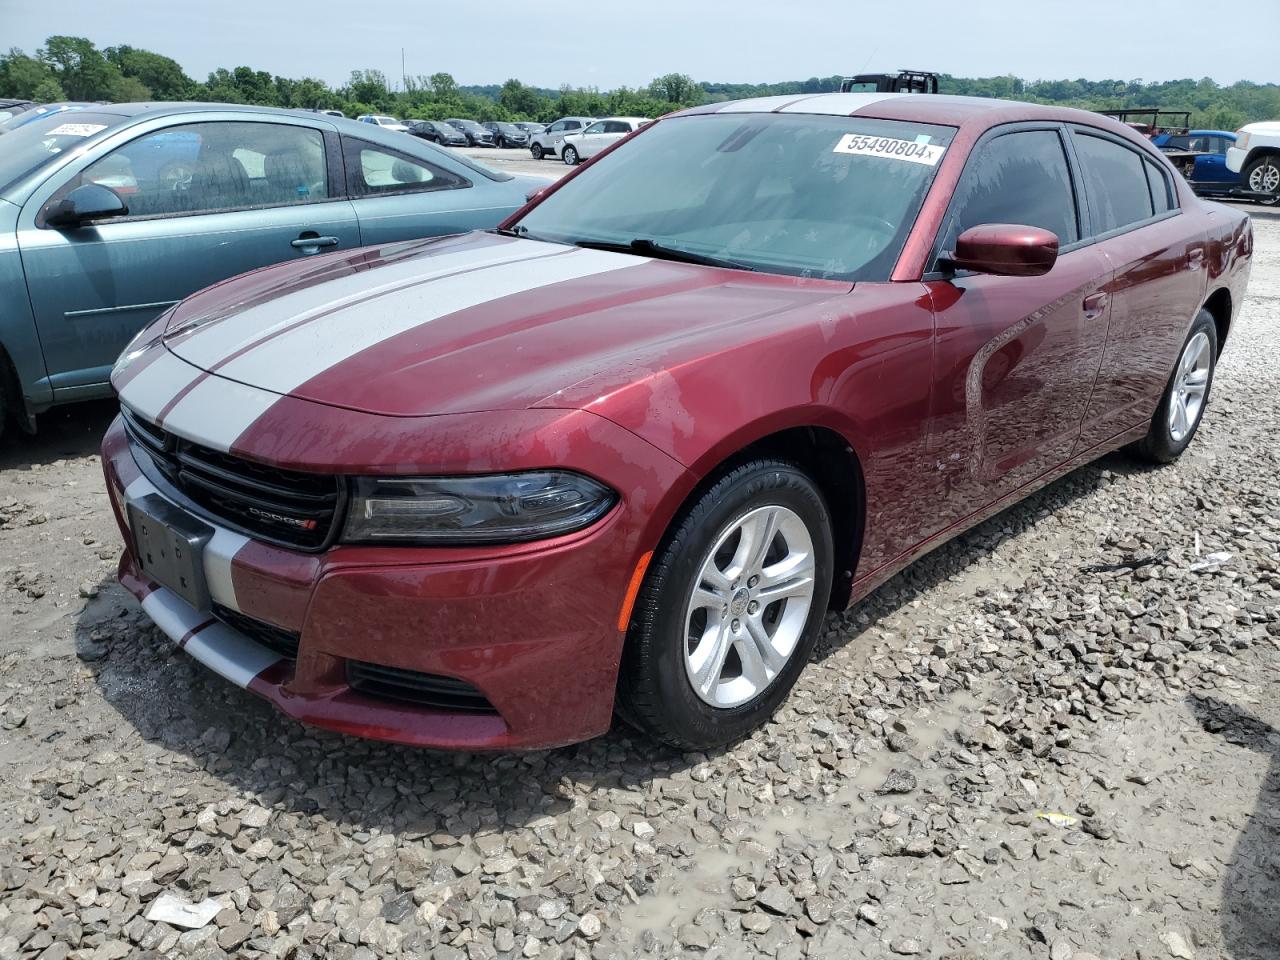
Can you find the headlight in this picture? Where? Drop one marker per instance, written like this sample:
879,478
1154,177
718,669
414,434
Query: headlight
498,508
1242,140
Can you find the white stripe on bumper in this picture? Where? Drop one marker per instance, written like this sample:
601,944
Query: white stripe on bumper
218,552
226,652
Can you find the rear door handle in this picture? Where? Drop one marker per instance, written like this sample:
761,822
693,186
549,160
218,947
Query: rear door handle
1195,258
304,242
1095,305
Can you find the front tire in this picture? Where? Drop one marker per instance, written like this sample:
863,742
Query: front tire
730,608
536,151
1263,176
570,156
1185,397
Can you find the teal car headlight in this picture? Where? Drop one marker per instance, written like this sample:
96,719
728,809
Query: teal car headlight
496,508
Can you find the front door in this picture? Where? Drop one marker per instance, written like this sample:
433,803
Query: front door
1015,357
206,201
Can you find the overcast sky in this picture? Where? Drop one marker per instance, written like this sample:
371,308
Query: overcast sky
607,43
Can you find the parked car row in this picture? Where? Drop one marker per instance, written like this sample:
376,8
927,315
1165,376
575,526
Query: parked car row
572,139
458,132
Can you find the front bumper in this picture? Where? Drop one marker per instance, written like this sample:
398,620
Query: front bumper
533,628
1236,158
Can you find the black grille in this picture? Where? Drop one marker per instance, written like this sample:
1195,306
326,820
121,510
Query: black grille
277,639
423,689
283,506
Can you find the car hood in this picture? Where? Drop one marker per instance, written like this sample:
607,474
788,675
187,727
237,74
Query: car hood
1270,128
469,323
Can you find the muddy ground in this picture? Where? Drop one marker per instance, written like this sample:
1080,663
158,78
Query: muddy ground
1003,753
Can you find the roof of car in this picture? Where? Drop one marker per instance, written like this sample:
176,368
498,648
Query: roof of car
919,107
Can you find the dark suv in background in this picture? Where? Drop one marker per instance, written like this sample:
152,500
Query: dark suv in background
477,136
437,131
506,134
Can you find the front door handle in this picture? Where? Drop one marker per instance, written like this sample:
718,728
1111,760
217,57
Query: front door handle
1095,305
1195,258
311,241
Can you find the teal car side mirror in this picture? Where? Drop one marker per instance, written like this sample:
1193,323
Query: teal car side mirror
92,201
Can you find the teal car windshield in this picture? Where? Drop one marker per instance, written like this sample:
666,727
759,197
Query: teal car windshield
815,196
28,148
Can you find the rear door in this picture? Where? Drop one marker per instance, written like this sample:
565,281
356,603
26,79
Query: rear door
207,200
594,139
401,196
1015,357
1159,278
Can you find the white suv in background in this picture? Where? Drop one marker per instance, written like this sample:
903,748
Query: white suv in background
386,123
1256,157
584,145
548,142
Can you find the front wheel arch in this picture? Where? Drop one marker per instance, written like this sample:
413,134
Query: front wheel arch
829,458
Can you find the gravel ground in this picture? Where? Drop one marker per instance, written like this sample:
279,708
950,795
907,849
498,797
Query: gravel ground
1003,753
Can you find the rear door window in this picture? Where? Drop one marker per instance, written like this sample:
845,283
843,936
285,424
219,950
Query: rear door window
1116,182
373,170
1020,177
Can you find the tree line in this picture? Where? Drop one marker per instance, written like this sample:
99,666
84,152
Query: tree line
73,68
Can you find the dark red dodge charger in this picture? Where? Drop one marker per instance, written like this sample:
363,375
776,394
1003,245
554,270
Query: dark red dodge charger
625,452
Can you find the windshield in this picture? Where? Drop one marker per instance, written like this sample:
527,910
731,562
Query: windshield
29,147
813,196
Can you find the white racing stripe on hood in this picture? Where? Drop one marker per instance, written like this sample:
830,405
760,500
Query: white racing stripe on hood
157,384
218,410
206,346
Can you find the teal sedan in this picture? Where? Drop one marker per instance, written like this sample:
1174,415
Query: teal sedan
111,214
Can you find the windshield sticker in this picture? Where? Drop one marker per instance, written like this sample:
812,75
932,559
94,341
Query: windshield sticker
76,129
864,146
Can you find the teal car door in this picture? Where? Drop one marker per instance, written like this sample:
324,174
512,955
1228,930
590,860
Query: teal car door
206,200
403,196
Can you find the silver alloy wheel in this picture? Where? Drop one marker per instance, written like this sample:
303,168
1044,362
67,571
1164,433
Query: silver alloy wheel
749,605
1189,385
1265,178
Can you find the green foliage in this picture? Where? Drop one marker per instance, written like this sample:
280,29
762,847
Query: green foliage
79,67
162,76
25,77
48,90
73,68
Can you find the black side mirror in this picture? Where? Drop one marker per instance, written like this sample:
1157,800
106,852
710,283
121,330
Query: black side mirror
92,201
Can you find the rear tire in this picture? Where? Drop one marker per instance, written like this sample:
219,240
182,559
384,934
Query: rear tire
570,156
1186,396
730,608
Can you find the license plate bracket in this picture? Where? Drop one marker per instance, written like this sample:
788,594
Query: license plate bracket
169,547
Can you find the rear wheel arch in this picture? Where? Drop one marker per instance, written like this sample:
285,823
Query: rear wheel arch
1219,306
12,404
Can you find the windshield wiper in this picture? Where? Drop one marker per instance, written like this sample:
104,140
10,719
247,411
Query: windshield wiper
646,247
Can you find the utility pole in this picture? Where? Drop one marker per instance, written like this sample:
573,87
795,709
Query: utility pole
404,82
